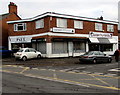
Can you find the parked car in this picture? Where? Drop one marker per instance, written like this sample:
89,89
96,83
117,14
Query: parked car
95,57
4,52
27,53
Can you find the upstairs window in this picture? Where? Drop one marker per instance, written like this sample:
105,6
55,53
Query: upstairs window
20,27
78,24
61,23
110,28
98,27
40,24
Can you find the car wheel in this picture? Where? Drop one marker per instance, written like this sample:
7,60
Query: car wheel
109,60
39,56
24,58
94,61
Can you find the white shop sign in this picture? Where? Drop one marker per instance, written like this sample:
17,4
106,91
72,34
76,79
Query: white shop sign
20,39
100,35
63,30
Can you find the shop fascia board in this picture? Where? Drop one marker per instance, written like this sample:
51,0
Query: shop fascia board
53,34
51,14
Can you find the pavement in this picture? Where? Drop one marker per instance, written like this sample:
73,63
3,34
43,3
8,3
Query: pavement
44,61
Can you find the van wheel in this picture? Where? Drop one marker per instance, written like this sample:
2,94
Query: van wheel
94,61
24,58
39,56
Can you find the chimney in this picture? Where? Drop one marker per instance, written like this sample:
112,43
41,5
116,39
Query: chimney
12,8
101,18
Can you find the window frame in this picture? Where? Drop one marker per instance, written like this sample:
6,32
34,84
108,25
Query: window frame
78,24
98,26
110,28
16,26
39,24
61,22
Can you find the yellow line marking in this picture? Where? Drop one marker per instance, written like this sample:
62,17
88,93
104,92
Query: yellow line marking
65,72
95,79
24,70
100,80
94,85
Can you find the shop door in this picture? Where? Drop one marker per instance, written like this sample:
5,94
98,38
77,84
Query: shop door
70,48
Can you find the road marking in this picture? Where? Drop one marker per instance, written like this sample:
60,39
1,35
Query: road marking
24,70
63,80
84,72
100,80
115,70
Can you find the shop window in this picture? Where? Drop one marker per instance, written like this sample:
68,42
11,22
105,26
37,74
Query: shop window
61,22
20,27
98,27
59,47
101,47
40,24
78,24
78,47
110,28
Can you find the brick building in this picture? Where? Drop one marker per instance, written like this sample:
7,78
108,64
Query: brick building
61,35
12,15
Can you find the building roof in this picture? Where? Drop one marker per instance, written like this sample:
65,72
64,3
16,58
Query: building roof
4,16
52,14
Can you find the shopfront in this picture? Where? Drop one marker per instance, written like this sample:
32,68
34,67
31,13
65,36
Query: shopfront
104,42
66,45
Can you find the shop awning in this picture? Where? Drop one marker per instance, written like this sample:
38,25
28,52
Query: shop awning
94,40
102,40
112,41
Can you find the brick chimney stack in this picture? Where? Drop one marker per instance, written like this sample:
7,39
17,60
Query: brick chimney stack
12,8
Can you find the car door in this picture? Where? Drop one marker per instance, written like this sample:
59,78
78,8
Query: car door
33,53
98,56
103,57
27,53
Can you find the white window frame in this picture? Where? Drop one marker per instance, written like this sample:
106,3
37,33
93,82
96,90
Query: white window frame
20,24
110,28
78,24
61,22
39,24
98,26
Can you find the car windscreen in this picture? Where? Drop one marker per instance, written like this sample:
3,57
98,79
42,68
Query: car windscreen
88,53
21,50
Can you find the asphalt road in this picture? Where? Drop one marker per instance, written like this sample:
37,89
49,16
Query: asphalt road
58,77
14,83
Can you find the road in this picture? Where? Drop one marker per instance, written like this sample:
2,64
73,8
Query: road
59,76
20,79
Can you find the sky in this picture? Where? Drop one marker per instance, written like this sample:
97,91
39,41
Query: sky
85,8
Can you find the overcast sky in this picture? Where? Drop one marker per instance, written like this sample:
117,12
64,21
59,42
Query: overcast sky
86,8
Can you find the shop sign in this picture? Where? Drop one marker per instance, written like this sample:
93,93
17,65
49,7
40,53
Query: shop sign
38,40
63,30
20,39
100,35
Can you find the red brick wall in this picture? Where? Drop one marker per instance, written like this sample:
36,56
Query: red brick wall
31,29
5,31
87,27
